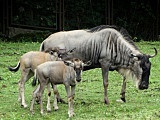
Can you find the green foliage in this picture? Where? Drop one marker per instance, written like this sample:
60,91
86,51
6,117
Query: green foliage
28,37
88,104
84,14
35,13
138,17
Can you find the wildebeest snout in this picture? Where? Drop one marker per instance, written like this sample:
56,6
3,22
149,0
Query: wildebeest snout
143,85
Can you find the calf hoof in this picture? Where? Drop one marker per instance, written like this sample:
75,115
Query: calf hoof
37,101
48,109
32,112
71,114
55,108
60,100
25,105
42,113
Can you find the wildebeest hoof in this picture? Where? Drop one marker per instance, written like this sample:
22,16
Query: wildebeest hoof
106,101
123,99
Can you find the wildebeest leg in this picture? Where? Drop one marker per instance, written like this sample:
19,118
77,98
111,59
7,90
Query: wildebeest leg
55,97
26,74
123,90
105,68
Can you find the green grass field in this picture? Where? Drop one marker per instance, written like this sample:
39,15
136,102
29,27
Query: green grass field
88,104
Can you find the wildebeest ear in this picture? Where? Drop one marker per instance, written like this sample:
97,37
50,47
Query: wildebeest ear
69,63
88,63
72,50
137,56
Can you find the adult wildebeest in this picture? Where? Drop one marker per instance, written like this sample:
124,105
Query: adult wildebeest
109,48
58,72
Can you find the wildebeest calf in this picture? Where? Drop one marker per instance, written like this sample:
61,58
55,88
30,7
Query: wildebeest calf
58,72
27,64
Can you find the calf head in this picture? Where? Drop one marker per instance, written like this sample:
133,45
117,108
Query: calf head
66,55
53,53
141,69
62,53
78,65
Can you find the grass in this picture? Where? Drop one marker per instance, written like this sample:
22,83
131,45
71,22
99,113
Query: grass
140,105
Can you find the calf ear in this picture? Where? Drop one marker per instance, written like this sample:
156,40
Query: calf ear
72,50
88,63
69,63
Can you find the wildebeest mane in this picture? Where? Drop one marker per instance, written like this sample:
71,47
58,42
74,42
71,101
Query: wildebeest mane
127,37
123,32
101,27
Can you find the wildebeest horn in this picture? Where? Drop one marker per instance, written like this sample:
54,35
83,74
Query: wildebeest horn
151,56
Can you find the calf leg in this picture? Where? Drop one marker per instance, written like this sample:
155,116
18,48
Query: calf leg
55,97
58,97
41,90
49,95
24,77
40,97
33,98
70,96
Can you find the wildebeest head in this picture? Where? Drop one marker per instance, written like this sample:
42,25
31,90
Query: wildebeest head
78,65
141,69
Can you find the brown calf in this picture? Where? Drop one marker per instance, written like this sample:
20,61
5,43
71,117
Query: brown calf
58,72
27,64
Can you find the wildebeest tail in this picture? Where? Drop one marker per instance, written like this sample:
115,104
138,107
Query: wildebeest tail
42,47
14,69
34,79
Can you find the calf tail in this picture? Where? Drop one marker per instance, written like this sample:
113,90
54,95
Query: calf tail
14,69
42,47
34,82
